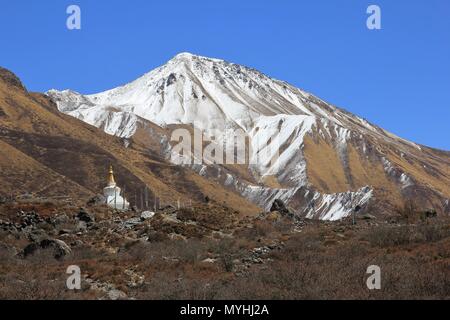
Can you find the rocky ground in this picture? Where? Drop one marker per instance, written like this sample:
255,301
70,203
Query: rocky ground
209,251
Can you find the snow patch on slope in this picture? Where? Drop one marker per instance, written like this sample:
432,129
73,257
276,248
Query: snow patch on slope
337,206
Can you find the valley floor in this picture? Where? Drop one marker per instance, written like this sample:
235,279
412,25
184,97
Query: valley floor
210,252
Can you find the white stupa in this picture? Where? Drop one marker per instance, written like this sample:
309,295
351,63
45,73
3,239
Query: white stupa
113,195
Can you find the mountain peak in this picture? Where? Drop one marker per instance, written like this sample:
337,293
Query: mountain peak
182,55
187,56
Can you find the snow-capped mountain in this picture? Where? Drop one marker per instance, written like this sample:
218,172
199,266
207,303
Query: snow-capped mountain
329,161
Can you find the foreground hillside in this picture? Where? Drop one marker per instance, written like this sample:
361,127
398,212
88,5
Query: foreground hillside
210,252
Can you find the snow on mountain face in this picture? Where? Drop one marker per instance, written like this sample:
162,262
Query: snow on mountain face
215,96
208,93
189,89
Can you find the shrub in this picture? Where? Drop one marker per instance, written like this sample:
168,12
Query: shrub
226,260
387,236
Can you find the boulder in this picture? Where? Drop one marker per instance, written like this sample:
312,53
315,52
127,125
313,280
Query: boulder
147,215
29,219
84,216
30,249
61,219
279,206
60,248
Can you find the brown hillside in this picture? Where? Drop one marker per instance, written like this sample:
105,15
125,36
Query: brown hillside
51,154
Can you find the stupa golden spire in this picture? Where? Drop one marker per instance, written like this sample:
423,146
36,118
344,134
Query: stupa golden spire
111,181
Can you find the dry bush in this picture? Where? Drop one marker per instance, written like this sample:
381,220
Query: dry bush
259,229
408,212
39,277
433,232
388,236
165,287
226,261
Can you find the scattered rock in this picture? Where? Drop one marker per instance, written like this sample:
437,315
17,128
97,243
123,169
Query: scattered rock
84,216
131,223
109,289
136,279
8,226
209,260
147,215
116,294
76,243
61,219
29,219
37,235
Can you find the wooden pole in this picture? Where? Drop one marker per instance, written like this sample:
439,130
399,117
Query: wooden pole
123,198
115,198
146,197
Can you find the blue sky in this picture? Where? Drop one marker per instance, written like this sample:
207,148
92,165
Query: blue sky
397,77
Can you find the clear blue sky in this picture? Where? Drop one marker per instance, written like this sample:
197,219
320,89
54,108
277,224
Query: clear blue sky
398,77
